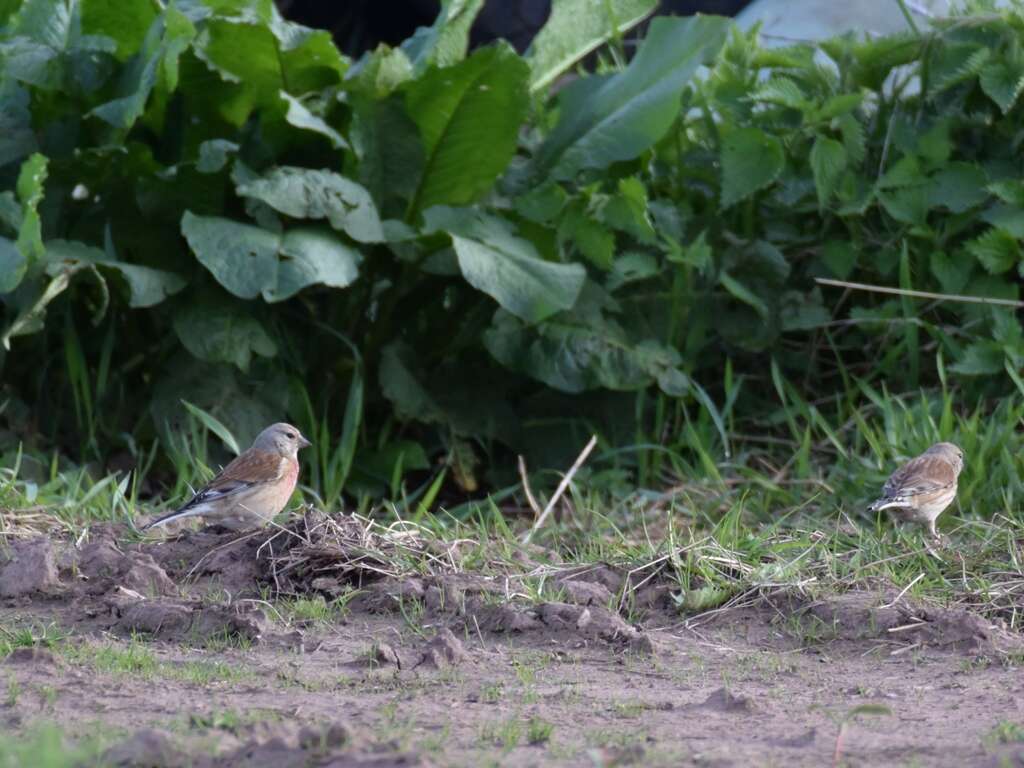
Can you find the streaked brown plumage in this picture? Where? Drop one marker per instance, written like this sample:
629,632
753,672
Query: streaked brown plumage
253,488
923,487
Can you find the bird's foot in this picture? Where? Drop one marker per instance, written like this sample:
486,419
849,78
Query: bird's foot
934,544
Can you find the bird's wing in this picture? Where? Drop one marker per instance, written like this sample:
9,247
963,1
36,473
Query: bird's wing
247,470
925,474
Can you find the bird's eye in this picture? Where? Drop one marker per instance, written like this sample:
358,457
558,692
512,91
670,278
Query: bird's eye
290,435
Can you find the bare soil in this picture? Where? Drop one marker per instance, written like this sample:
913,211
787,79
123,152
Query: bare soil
461,669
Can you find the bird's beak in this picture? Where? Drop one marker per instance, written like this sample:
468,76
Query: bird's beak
303,442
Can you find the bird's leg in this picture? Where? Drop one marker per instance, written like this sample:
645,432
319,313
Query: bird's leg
936,541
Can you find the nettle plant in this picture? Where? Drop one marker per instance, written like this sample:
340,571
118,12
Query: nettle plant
432,259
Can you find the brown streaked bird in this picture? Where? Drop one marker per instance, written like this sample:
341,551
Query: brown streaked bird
253,488
923,487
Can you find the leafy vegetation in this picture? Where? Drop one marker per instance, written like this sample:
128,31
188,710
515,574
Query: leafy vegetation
432,259
47,747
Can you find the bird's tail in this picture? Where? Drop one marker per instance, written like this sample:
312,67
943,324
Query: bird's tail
884,503
175,515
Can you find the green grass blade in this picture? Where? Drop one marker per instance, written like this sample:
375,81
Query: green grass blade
213,424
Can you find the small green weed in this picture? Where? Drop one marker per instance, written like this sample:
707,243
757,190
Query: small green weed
1004,732
538,731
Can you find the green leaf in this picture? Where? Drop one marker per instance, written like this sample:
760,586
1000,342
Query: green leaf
959,187
250,261
377,467
853,137
213,424
146,286
1002,83
828,161
30,318
222,332
875,59
842,104
574,29
300,116
7,9
1009,218
543,203
10,211
840,257
469,117
781,91
1006,329
400,385
996,249
444,43
506,267
161,48
30,193
388,145
631,267
905,172
179,33
952,272
306,193
12,265
17,139
49,51
1009,191
309,59
575,354
803,312
697,254
958,63
935,145
605,120
744,294
214,155
751,159
626,210
980,358
42,32
380,73
704,598
262,60
313,255
123,21
589,237
907,204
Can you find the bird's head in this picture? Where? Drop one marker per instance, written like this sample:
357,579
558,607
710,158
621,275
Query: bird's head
282,439
950,453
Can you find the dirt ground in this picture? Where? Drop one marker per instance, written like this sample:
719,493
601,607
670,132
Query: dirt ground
457,668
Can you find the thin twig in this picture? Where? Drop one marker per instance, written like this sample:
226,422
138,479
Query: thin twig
526,489
919,294
903,592
906,627
561,488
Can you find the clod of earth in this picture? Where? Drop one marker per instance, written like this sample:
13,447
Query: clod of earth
277,745
148,747
444,650
724,700
33,655
102,563
861,616
180,620
30,568
585,592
